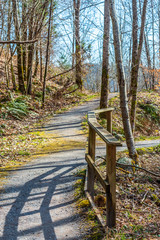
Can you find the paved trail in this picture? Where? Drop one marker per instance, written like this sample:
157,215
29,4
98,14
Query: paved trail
38,201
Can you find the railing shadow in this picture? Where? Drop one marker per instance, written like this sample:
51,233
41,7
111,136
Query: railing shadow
52,181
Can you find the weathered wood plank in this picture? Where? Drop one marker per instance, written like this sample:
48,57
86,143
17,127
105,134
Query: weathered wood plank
103,133
103,110
111,178
103,182
98,214
91,152
109,121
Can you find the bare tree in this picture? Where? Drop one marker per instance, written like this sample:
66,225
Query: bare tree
122,84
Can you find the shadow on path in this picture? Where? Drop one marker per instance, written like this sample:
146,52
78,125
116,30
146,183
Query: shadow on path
52,181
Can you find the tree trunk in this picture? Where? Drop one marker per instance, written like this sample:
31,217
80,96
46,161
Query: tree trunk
19,52
136,61
122,85
30,55
153,75
73,40
144,77
134,65
47,54
36,63
78,46
13,77
41,63
148,61
24,38
8,46
29,70
159,28
105,63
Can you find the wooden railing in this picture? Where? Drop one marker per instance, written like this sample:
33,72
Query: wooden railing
109,183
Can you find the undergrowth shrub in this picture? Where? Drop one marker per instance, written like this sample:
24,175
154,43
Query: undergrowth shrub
16,108
151,110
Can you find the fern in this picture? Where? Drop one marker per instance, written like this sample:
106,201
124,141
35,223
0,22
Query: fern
17,108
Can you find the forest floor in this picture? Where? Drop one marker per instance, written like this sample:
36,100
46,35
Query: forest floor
37,199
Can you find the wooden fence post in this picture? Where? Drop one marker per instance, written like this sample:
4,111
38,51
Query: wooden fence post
109,121
91,152
111,178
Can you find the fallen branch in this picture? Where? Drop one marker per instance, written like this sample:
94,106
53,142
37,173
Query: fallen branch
145,195
60,92
59,74
72,91
130,165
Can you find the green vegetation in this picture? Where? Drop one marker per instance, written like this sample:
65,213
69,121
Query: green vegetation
142,151
16,108
151,110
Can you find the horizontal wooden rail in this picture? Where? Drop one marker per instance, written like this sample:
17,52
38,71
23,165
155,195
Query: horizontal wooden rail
103,110
103,133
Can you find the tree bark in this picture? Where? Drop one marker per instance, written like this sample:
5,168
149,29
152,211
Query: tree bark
159,28
47,54
122,85
78,46
36,63
24,38
30,55
105,63
73,39
148,84
153,47
136,60
41,61
19,52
